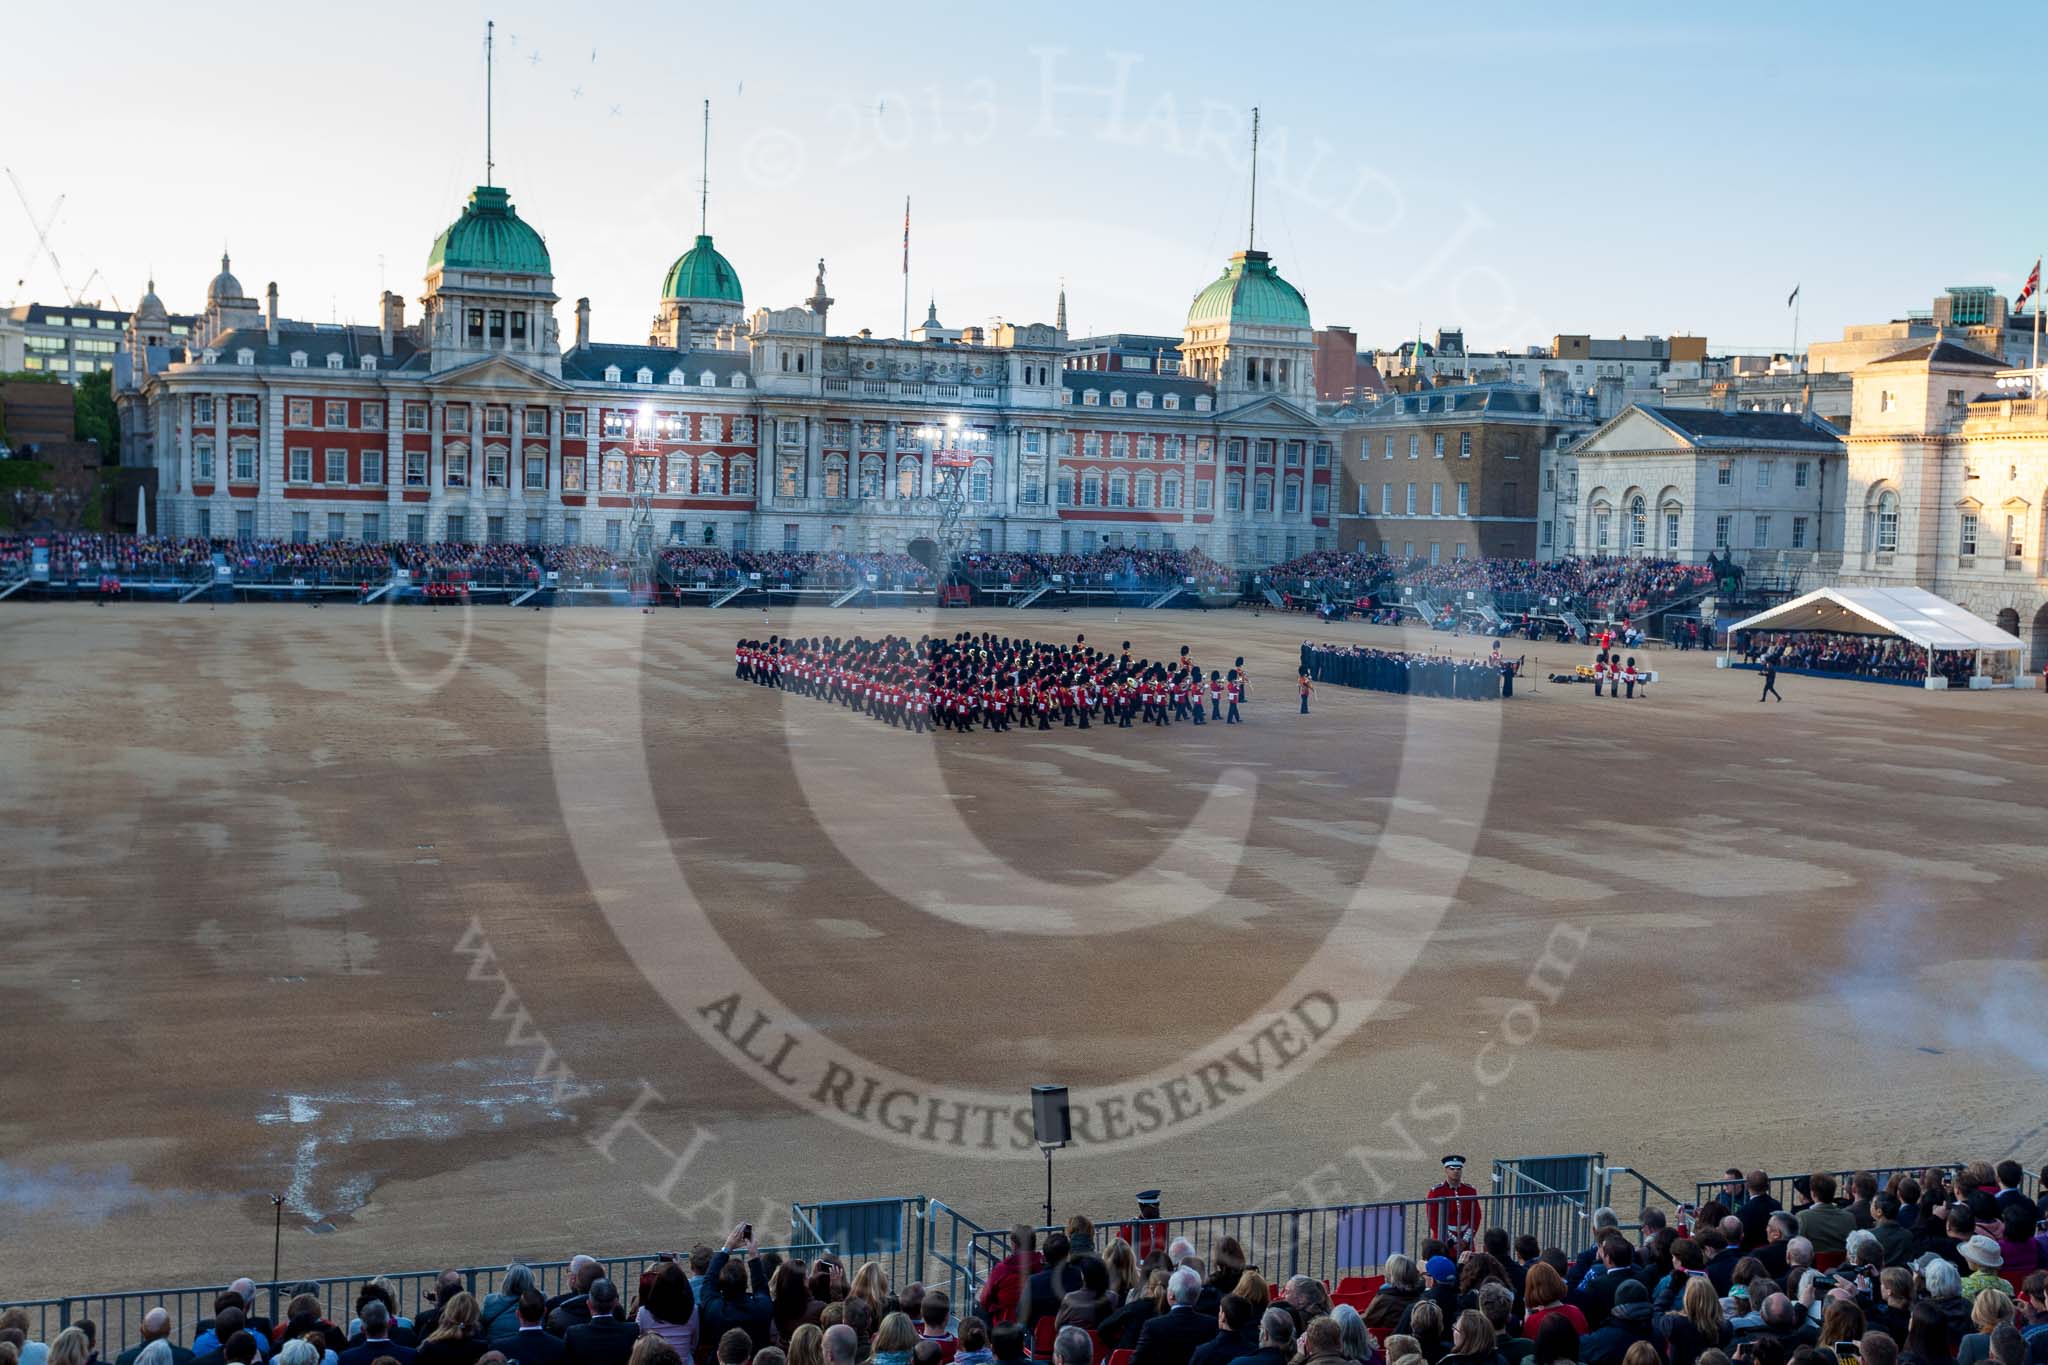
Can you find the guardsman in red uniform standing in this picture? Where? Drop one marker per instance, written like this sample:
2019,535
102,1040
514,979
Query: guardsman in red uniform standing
1151,1233
1454,1208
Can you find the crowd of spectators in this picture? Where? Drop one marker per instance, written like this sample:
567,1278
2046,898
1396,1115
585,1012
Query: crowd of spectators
1867,656
1941,1268
795,568
1111,566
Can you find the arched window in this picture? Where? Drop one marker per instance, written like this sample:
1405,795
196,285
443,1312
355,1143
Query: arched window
710,469
678,474
1674,514
1887,522
871,477
1638,522
742,485
614,474
979,480
909,476
1603,527
835,476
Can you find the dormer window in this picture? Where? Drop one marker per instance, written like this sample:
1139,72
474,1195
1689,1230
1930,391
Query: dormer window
1116,399
369,362
1171,402
298,360
611,374
334,360
245,356
677,378
645,376
1203,402
1091,398
208,356
739,381
707,380
1144,400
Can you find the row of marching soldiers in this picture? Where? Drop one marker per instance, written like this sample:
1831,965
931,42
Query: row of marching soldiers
994,682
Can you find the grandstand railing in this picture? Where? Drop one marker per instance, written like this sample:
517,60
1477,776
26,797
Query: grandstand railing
1327,1242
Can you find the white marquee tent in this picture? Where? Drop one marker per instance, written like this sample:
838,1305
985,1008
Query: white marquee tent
1914,614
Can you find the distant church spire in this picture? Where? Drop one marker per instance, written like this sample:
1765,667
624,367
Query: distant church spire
1059,321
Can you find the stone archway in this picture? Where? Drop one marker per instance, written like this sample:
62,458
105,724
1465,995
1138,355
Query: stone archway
2038,654
2009,621
925,551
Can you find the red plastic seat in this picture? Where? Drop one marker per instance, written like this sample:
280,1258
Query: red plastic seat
1119,1357
1828,1260
1094,1348
1041,1338
1360,1284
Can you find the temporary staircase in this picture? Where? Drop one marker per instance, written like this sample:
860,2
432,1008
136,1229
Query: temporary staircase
1165,597
1028,598
851,593
729,594
1272,595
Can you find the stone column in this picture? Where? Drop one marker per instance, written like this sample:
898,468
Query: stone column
889,464
270,471
437,428
394,465
224,509
551,506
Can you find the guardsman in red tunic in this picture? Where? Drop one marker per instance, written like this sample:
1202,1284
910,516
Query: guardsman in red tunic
1235,689
1151,1233
1454,1208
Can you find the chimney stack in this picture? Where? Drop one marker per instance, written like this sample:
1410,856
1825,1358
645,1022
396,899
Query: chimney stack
270,312
391,319
582,323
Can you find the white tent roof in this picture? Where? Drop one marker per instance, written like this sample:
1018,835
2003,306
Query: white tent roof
1913,614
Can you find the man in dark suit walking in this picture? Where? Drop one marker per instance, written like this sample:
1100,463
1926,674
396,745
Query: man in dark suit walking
1770,679
607,1339
1171,1338
533,1343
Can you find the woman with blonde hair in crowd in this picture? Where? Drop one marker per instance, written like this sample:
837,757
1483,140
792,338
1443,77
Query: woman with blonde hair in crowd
457,1338
70,1347
1252,1287
1988,1312
1123,1269
1697,1325
1119,1331
1426,1325
895,1339
871,1282
806,1346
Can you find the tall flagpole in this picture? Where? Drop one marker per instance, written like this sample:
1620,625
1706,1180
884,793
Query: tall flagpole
490,35
906,267
1797,303
2034,388
1252,236
704,183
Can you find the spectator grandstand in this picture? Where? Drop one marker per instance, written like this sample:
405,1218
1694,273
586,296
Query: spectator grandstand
1910,1266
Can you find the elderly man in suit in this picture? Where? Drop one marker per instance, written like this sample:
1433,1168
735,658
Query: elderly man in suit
1171,1338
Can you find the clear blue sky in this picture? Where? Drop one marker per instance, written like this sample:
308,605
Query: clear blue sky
1516,170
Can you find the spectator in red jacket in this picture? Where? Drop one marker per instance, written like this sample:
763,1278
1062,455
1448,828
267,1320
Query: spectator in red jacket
1004,1289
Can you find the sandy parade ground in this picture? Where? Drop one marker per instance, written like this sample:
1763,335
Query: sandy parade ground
438,922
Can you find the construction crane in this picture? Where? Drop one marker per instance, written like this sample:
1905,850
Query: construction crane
74,297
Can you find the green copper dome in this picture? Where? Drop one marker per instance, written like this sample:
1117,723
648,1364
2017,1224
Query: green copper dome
490,235
701,273
1250,291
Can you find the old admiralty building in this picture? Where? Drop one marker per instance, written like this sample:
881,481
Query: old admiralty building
478,420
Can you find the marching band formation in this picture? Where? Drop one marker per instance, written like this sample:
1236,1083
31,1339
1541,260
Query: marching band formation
993,681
